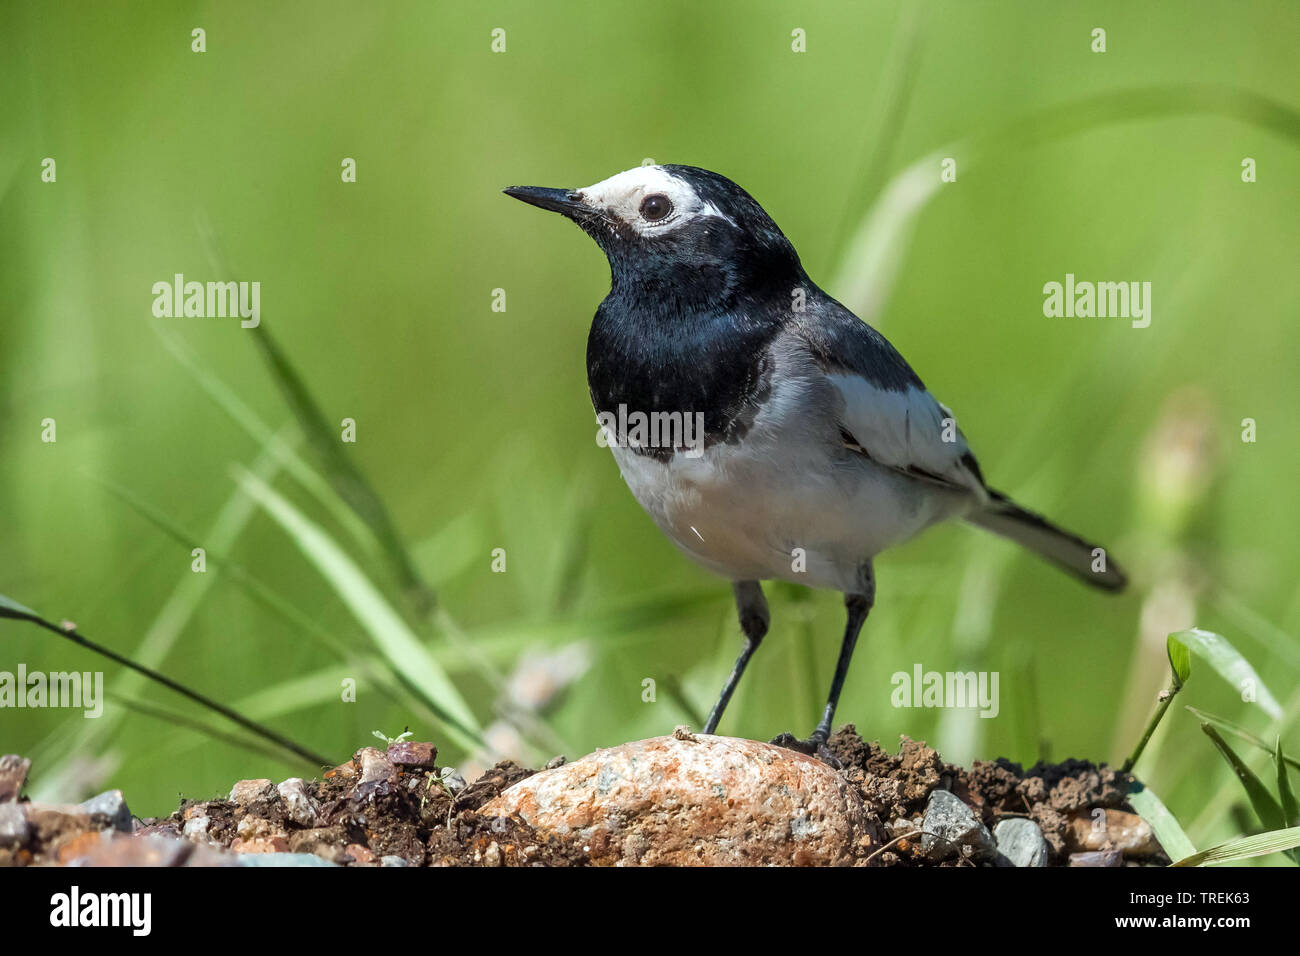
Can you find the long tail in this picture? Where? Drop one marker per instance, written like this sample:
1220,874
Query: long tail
1067,551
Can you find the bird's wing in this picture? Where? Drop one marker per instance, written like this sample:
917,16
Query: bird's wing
887,413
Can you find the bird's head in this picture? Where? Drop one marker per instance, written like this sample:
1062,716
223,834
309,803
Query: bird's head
678,224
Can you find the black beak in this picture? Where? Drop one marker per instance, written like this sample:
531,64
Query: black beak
564,201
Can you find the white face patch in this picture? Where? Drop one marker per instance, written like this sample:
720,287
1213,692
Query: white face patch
621,196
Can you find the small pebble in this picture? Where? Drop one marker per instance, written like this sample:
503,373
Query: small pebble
375,766
1021,842
282,859
412,755
14,828
13,773
298,804
951,826
1097,858
245,792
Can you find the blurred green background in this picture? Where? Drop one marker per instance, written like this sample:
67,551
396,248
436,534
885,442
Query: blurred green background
474,427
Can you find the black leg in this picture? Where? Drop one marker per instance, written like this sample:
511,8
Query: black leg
859,606
752,609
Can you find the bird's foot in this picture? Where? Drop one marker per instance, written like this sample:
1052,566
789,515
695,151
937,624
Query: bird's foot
814,746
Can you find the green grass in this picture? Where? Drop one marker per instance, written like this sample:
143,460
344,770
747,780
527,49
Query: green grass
373,560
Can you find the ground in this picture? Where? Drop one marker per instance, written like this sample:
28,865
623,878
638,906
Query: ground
400,808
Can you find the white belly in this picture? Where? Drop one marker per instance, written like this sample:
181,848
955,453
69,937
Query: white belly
786,503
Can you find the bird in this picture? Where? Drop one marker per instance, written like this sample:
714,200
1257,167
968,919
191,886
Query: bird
820,446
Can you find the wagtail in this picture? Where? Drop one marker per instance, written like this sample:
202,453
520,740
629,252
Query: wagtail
820,446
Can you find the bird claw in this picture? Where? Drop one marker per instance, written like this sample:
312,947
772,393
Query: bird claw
814,746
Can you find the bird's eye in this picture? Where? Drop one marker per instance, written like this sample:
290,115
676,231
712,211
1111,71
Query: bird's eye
656,207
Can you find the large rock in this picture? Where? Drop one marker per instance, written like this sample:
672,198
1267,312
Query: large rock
696,800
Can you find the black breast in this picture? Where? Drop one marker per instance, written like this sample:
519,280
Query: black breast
655,360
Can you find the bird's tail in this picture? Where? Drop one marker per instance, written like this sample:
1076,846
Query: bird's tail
1067,551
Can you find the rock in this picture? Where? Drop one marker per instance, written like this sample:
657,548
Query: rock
13,774
282,859
374,766
412,755
53,825
247,792
150,850
300,807
256,828
14,828
205,856
1126,832
702,801
321,841
345,771
952,827
256,835
1021,842
82,845
111,807
166,828
1097,858
196,825
259,845
452,779
393,860
359,853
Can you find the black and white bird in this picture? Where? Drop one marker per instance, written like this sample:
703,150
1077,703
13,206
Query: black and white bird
821,447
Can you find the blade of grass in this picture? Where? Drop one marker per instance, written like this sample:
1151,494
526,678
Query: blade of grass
1222,798
164,631
346,496
1285,795
1259,844
1228,663
1266,808
175,719
386,627
348,481
345,477
274,444
1166,827
872,261
382,677
1238,731
1254,625
14,611
1180,666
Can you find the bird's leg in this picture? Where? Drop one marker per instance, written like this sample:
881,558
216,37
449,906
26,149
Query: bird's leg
754,618
858,607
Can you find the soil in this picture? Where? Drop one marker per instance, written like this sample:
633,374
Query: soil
381,809
896,787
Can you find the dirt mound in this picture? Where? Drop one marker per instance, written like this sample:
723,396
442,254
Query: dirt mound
748,802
